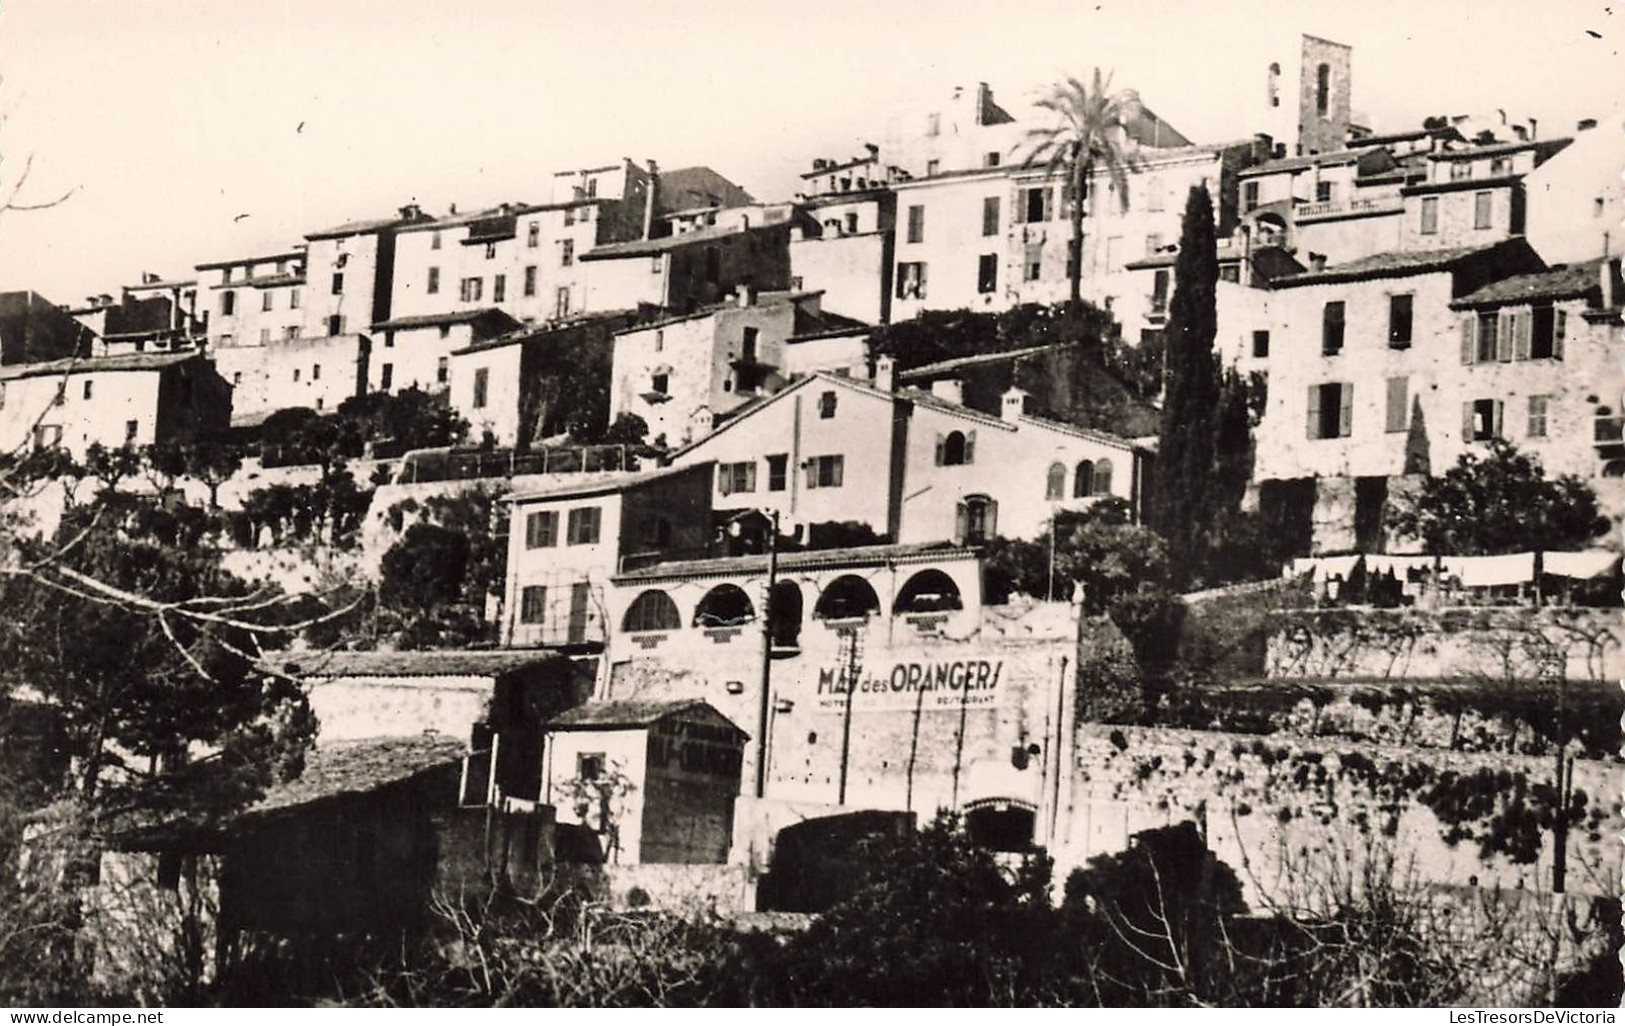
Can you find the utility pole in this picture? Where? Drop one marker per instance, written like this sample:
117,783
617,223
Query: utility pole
852,667
767,655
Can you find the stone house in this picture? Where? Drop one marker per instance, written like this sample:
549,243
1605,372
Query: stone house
682,272
256,300
415,350
1576,199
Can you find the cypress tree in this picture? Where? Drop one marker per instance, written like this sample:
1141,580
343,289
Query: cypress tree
1187,497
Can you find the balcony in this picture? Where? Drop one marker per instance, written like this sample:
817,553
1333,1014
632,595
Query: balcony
1349,208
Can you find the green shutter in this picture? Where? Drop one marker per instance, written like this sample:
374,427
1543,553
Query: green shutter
1312,428
1345,413
1503,339
1467,425
1520,336
1467,341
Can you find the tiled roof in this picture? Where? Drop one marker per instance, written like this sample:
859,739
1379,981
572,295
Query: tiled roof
145,285
216,264
601,484
269,281
1089,434
366,226
822,324
356,767
926,372
1544,148
612,320
428,663
1385,265
649,247
1301,163
1572,282
867,555
98,364
1461,185
829,199
625,714
452,317
921,397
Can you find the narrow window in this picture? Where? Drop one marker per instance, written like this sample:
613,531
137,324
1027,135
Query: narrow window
532,603
987,273
1430,215
1261,343
1488,337
386,376
499,288
1399,321
530,280
916,224
542,530
1331,328
442,370
533,235
826,406
338,284
1398,409
1539,405
1249,194
1481,209
482,377
567,252
778,466
990,215
265,300
228,303
88,385
1323,89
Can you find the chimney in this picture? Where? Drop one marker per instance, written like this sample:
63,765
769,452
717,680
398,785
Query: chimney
949,389
984,101
1533,126
1610,268
1014,403
746,295
874,151
1585,124
651,200
885,377
1317,261
451,208
1263,146
411,212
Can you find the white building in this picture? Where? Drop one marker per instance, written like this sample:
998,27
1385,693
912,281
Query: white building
1577,197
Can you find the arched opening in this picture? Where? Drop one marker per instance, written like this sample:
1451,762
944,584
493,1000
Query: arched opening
726,605
953,449
652,611
847,597
978,519
1614,468
784,615
1055,481
1083,480
1103,477
928,591
1000,824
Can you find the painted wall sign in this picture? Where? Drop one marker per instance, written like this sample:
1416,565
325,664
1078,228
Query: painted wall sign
930,686
695,749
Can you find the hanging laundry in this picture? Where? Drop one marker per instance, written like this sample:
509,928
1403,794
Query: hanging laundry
1493,571
1581,566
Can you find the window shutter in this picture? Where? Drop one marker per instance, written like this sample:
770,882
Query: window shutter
1018,209
1499,408
835,475
970,447
1345,414
920,292
1520,336
961,523
1467,424
1103,477
724,480
1049,204
1503,339
750,476
811,467
940,450
1397,388
1467,341
1559,328
990,528
1313,426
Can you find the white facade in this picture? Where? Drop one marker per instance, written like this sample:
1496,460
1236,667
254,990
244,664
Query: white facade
1577,198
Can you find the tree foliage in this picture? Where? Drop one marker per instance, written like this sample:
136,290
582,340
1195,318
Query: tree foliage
1500,502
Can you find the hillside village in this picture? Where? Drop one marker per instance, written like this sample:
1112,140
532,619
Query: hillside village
647,527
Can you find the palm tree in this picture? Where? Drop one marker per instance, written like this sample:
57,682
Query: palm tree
1088,134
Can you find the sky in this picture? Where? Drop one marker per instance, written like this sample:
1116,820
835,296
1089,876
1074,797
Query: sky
190,131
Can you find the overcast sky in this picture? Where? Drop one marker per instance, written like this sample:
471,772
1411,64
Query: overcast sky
194,130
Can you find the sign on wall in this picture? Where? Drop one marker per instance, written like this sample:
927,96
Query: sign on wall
929,685
691,748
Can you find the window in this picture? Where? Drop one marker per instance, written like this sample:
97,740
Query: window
659,382
335,324
530,280
434,280
734,478
652,611
226,275
482,381
592,189
386,376
1261,343
88,388
532,603
1398,404
1539,406
296,375
911,280
990,158
825,471
1055,481
1103,477
1323,89
1331,328
499,288
1481,420
851,223
567,252
265,335
236,379
1083,479
47,436
228,303
1461,170
1481,209
315,372
1399,321
1546,332
1230,273
561,302
130,429
472,290
338,284
265,300
656,264
956,448
778,466
1033,264
1488,338
434,240
293,299
660,339
978,519
1500,166
490,251
916,224
1331,410
1153,243
542,530
987,273
533,235
1159,291
583,526
1249,196
1036,204
445,331
932,167
826,406
1324,192
589,765
990,215
442,370
1430,215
